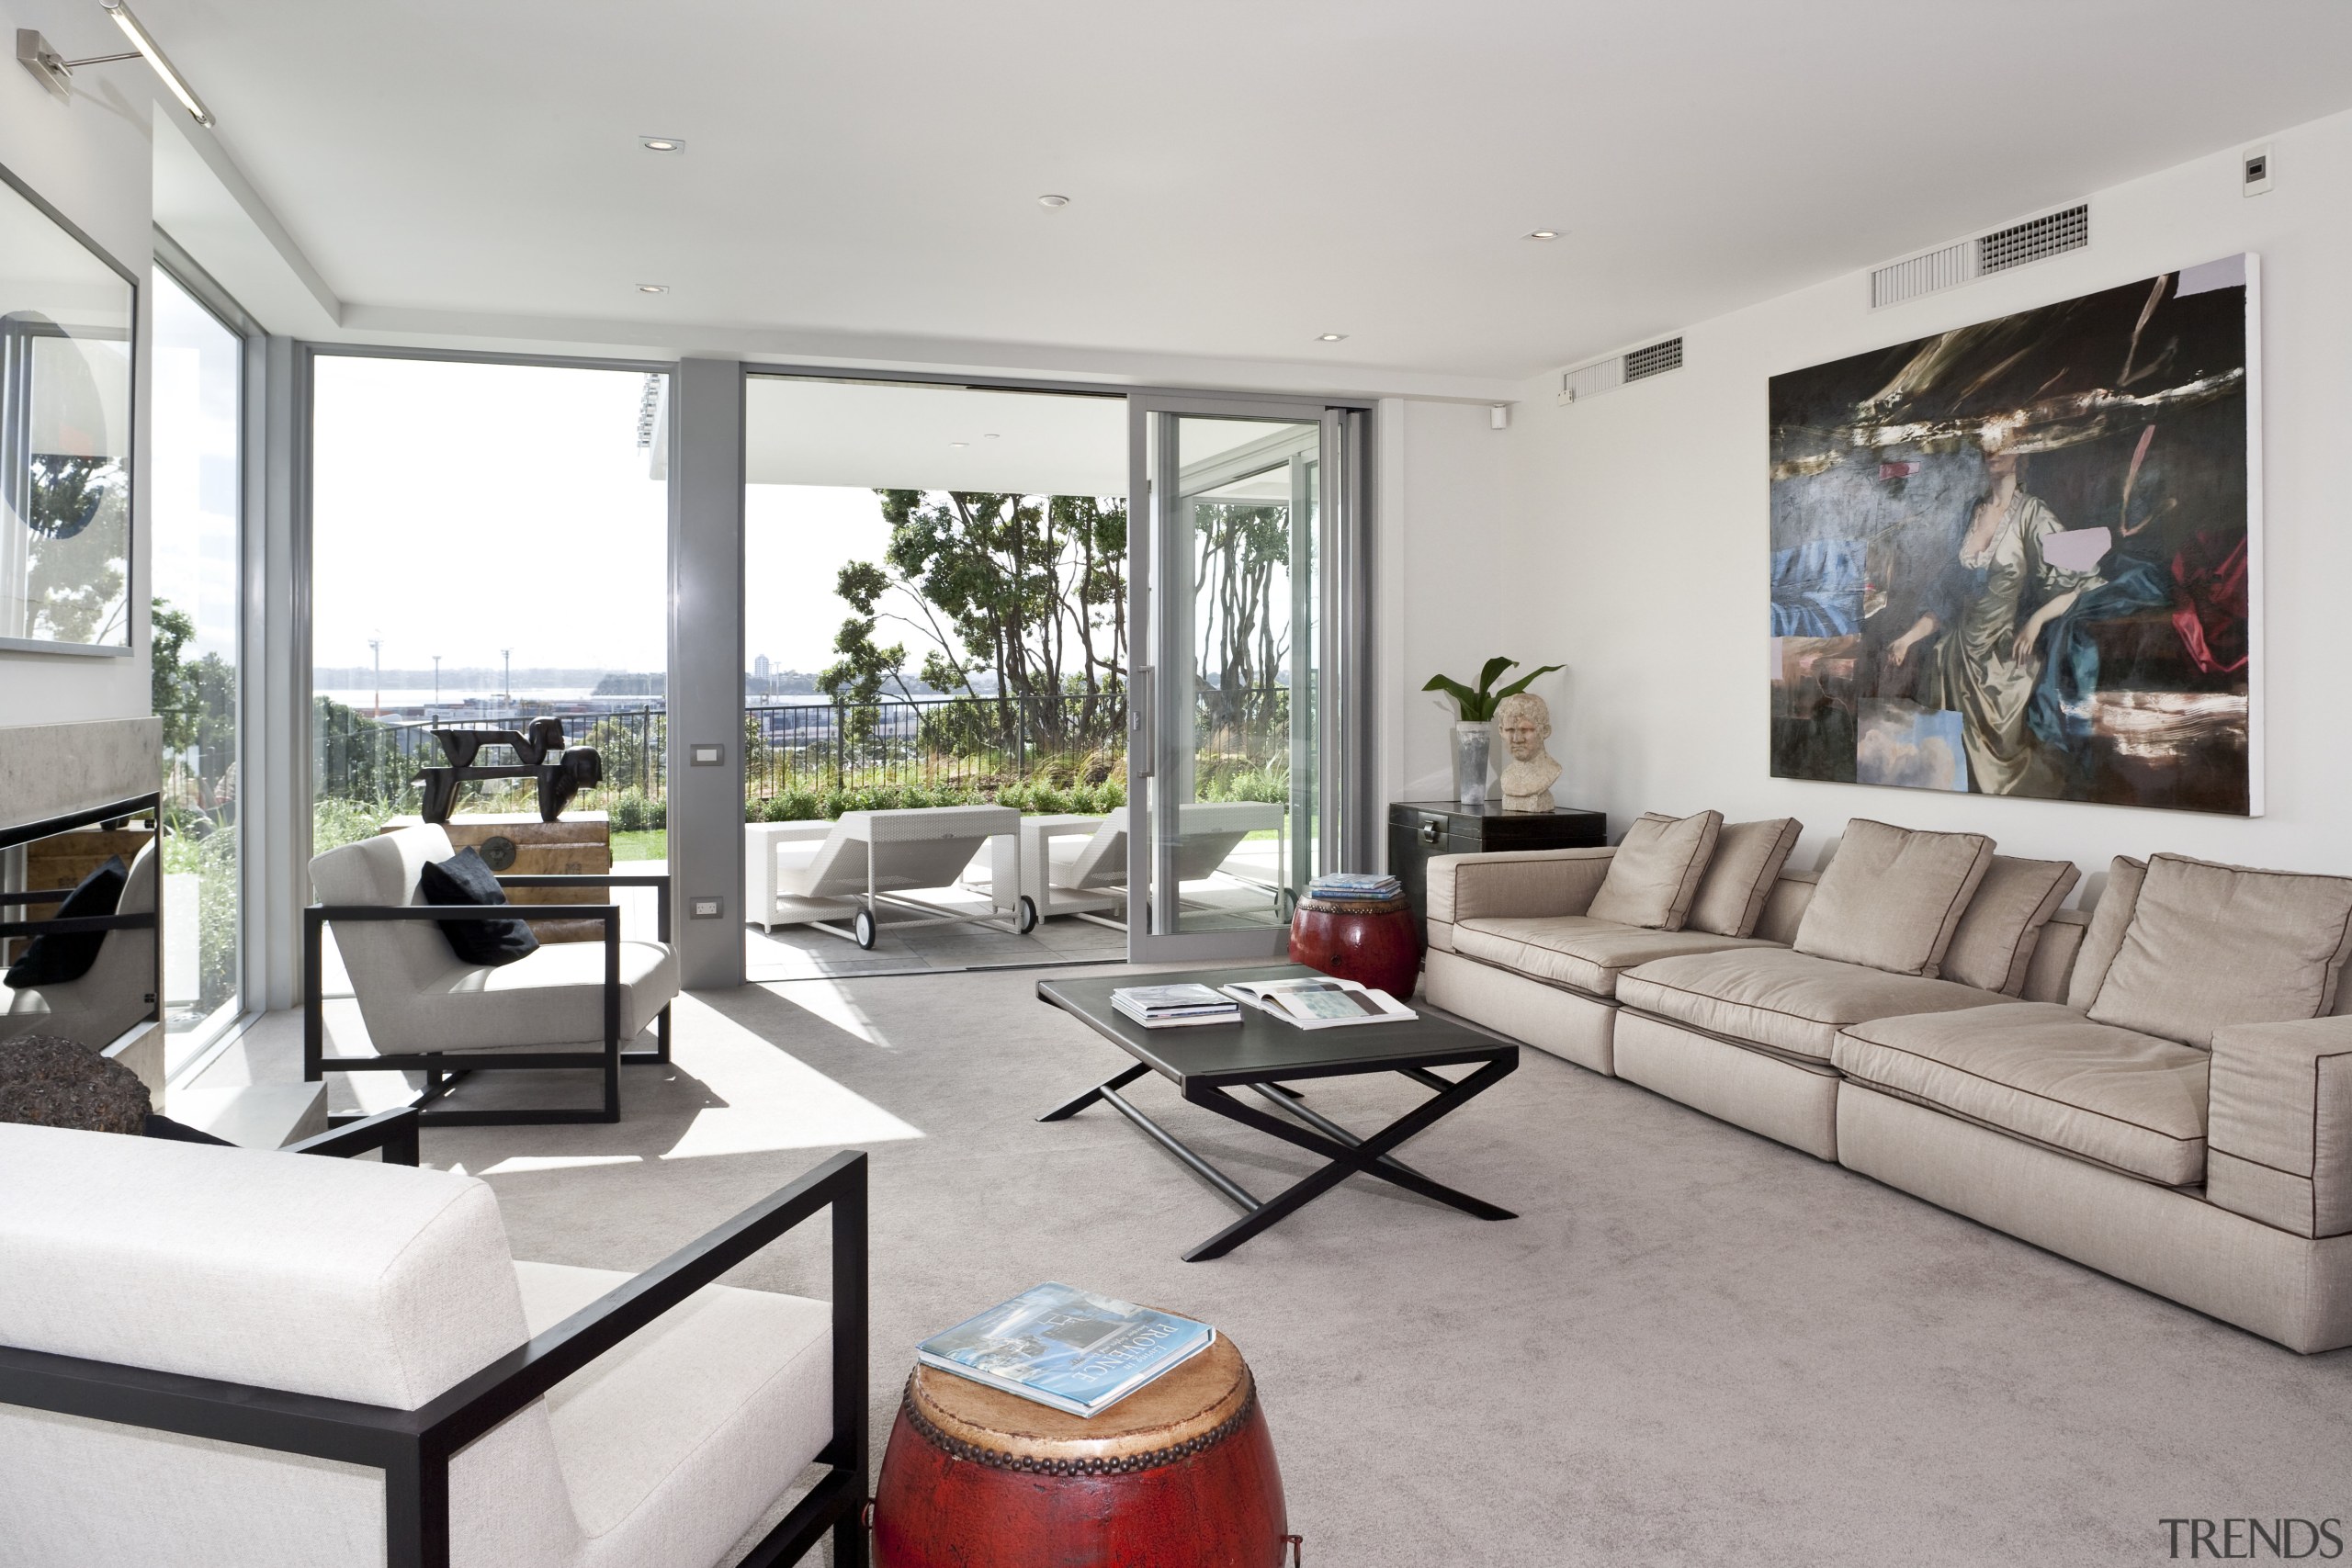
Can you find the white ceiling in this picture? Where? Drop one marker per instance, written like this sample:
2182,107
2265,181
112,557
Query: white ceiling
1244,173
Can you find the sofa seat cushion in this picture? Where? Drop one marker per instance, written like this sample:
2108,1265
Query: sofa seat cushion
1784,1000
1578,951
555,997
2045,1073
673,1444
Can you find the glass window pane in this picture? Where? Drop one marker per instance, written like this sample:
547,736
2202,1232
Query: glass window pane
195,471
489,546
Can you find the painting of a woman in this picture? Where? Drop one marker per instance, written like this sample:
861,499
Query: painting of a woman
1984,615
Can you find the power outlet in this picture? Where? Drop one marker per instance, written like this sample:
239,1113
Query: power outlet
706,908
2255,169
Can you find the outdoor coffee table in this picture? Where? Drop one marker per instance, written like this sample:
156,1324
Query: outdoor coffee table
1261,1053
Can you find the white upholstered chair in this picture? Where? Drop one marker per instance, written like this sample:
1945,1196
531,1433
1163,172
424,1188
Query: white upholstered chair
219,1358
118,989
568,1005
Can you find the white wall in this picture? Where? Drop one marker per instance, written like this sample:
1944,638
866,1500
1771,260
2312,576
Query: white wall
90,161
1443,583
1639,539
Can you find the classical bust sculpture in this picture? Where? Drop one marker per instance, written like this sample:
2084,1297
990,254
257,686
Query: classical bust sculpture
1525,724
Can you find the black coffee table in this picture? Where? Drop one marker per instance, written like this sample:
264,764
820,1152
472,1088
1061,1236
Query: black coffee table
1262,1053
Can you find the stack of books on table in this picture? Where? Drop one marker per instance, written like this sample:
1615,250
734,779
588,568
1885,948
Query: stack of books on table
1070,1348
1356,886
1175,1006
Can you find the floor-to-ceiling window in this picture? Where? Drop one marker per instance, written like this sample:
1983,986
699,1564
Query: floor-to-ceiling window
489,545
195,484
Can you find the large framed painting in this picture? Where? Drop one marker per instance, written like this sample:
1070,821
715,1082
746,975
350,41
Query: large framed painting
2024,557
68,315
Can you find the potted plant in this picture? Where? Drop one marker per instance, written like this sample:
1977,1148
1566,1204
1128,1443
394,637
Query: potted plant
1473,734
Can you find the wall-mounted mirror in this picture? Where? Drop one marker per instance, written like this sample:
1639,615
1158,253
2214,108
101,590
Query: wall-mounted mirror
67,320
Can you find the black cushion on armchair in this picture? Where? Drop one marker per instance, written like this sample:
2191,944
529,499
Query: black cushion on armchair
54,960
466,878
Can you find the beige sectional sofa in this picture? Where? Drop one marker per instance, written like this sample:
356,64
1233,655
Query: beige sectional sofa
2164,1101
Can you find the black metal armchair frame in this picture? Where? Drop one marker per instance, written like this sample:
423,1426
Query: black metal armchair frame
445,1070
26,833
413,1447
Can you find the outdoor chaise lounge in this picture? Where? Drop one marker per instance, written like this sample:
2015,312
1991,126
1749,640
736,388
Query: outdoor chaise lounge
873,860
1084,876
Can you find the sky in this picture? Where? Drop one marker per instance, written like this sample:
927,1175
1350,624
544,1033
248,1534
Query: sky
797,538
464,508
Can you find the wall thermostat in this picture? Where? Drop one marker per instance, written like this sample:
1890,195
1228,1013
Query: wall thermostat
2255,170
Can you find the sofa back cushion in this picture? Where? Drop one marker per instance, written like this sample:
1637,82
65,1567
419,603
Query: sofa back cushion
2110,917
1892,896
2211,946
2002,925
1747,858
346,1278
1653,877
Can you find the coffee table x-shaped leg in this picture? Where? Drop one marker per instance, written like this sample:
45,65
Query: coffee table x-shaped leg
1346,1153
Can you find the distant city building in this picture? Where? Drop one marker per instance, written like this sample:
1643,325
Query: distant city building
761,667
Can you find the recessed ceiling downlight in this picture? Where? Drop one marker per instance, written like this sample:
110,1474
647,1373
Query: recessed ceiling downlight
1331,337
661,144
1544,233
1053,201
653,289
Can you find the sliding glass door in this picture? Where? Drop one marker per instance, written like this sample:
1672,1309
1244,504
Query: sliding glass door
1242,643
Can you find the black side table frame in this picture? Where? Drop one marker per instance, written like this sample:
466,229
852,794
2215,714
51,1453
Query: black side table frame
1346,1153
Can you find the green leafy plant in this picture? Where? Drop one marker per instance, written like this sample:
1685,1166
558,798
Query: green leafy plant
1478,707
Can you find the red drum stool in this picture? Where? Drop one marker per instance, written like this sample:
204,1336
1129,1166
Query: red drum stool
1368,940
1178,1474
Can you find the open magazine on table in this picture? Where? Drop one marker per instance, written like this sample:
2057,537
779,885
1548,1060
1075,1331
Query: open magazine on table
1321,1001
1070,1348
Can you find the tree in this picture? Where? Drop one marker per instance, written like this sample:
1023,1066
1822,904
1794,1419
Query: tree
1030,589
173,682
80,525
1244,555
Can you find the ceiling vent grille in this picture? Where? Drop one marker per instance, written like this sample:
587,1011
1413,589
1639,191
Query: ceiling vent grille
1967,260
1608,375
1655,360
2034,238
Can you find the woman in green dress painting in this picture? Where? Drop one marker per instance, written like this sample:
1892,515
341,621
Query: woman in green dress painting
1990,603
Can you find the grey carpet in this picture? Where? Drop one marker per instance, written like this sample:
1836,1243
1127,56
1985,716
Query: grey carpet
1694,1347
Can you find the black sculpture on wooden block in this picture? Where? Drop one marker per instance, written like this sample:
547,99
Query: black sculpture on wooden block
540,753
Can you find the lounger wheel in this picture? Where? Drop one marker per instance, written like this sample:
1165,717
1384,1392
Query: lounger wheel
865,929
1027,921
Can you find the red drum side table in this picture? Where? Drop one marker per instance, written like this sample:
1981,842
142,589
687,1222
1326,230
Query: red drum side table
1374,942
1178,1474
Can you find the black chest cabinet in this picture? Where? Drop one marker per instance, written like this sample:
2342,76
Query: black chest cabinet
1420,828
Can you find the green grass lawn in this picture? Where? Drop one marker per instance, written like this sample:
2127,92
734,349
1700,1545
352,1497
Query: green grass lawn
652,845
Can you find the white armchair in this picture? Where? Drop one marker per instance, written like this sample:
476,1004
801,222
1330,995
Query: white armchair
221,1357
568,1005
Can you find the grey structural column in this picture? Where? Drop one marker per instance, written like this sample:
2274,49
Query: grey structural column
273,760
705,683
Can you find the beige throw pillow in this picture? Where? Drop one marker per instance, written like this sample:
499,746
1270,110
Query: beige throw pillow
2212,945
2111,918
2002,925
1748,857
1655,874
1892,897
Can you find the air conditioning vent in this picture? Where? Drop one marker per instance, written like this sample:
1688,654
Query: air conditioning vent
1608,375
2034,238
1655,360
1967,260
1947,268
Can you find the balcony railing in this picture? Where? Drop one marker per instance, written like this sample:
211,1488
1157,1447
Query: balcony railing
964,745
